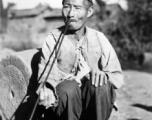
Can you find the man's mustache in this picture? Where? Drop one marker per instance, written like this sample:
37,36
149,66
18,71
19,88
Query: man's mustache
71,20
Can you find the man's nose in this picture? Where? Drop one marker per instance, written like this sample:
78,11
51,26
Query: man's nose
71,12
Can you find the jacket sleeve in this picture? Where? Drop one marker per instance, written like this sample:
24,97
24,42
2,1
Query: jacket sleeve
55,75
110,63
113,70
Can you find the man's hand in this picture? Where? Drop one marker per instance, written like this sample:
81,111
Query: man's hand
47,97
98,78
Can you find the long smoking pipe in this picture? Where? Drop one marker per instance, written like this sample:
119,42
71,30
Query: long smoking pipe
57,46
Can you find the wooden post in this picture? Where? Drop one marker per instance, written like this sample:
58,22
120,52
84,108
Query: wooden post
1,12
3,18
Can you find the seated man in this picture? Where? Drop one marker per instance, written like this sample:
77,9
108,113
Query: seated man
86,73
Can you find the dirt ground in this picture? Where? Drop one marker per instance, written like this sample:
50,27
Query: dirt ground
134,99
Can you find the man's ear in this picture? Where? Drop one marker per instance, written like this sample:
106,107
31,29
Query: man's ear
90,11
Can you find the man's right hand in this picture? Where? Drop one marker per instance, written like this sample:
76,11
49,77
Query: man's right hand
98,78
47,97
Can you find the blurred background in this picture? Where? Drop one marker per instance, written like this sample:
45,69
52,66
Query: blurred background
127,24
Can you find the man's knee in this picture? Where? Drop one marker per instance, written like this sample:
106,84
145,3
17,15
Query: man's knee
106,90
68,88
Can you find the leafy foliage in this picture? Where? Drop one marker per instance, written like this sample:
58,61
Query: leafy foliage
131,35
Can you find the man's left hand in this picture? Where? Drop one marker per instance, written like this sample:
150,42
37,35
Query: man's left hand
98,78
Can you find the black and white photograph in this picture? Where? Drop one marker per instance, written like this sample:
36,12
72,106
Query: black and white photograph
75,59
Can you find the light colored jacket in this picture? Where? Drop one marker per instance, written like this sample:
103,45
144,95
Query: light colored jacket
98,51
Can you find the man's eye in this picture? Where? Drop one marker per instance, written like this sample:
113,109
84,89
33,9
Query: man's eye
65,6
77,8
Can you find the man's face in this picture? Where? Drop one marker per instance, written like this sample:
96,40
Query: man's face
76,11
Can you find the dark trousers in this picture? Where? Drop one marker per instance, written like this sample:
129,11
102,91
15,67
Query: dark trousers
82,103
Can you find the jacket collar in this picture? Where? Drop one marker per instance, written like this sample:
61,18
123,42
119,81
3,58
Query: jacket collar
90,34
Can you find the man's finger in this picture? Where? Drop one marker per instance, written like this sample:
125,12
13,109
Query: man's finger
97,79
49,99
101,79
41,94
45,96
93,77
105,80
